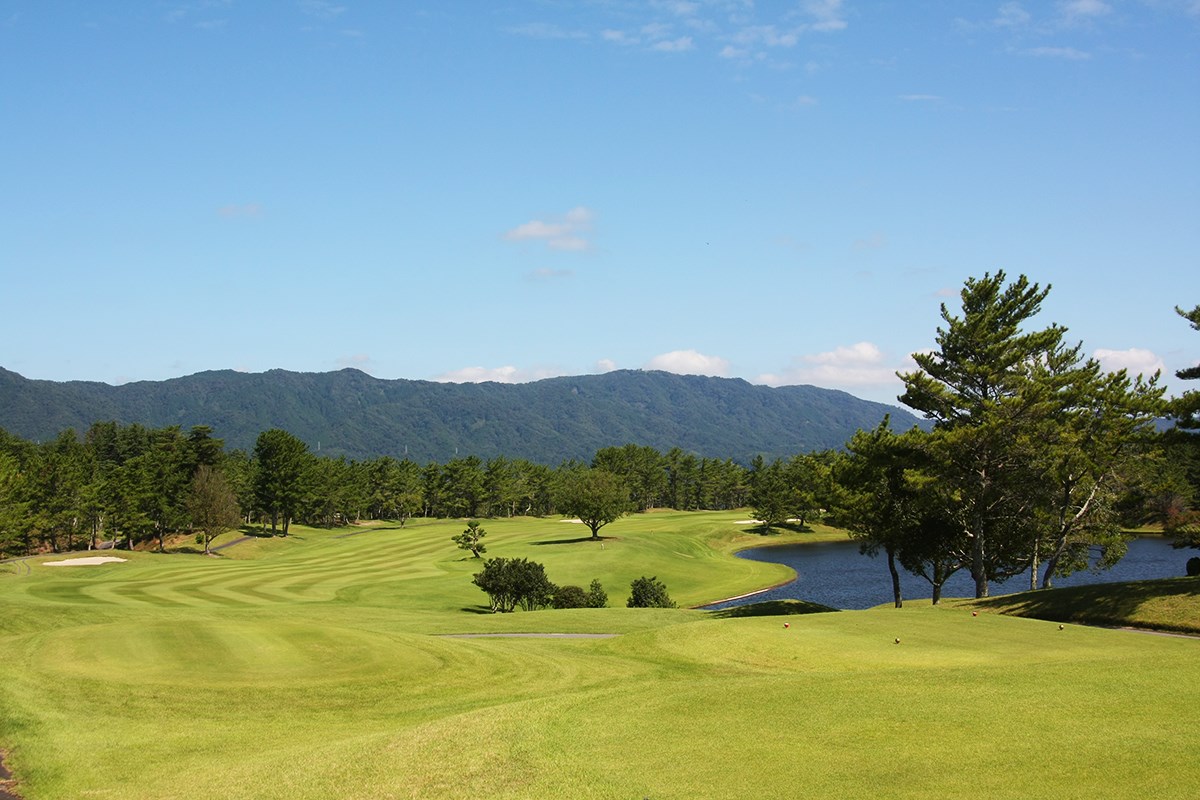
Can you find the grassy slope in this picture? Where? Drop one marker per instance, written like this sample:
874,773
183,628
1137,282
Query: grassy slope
310,671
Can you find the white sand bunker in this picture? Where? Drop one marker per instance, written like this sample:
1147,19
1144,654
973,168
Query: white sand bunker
573,521
82,562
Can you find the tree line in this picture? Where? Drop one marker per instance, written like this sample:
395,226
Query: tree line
128,485
1036,460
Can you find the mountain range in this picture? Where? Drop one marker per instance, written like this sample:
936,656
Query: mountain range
356,415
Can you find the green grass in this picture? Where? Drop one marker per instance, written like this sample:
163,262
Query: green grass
313,667
1171,604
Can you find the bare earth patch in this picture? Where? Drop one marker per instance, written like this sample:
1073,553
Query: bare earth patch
8,788
82,562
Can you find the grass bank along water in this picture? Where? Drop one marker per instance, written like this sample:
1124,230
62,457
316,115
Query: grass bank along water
312,667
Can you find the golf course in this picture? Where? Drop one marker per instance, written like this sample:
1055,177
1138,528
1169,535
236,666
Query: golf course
332,663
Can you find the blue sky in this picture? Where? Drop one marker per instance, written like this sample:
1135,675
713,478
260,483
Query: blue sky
782,192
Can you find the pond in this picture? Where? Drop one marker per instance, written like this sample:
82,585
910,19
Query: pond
836,574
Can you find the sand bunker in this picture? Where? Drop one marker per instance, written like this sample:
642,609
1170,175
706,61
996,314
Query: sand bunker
82,562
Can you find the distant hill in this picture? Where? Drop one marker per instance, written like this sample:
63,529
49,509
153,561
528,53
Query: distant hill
353,414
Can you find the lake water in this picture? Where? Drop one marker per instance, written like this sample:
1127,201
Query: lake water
836,574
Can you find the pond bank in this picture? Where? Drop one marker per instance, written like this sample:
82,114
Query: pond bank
8,786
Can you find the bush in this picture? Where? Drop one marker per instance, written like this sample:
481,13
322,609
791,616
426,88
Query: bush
649,593
570,597
1193,566
596,596
512,582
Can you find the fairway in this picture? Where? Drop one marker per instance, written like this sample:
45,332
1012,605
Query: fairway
328,664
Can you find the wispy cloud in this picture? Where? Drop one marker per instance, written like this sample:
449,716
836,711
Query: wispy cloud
1068,53
826,14
680,45
689,362
1076,11
1011,15
567,232
505,374
322,9
605,365
358,361
545,30
875,241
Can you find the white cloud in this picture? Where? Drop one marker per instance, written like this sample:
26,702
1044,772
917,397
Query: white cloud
617,37
680,45
1081,10
766,36
564,233
605,365
1135,360
827,13
1011,15
857,366
689,362
505,374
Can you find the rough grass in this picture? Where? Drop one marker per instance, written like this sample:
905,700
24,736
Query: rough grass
315,670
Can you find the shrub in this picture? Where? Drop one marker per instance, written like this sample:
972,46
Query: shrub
512,582
570,597
1193,566
596,596
471,539
649,593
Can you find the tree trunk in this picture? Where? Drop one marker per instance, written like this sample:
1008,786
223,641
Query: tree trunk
1034,563
891,559
1051,566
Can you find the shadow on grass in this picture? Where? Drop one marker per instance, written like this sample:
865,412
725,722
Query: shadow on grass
1176,604
477,609
772,608
775,530
577,540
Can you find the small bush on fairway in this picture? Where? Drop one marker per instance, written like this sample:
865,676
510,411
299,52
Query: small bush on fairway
576,597
649,593
596,596
570,597
512,582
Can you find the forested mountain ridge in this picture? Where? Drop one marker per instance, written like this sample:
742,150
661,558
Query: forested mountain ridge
351,413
